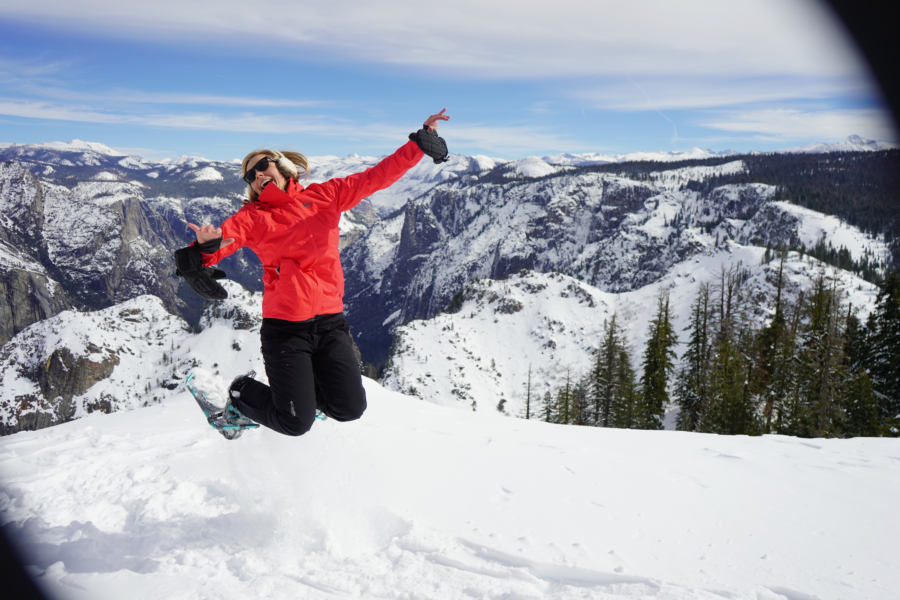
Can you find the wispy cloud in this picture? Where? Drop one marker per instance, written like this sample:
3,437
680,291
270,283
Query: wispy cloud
170,98
528,39
512,139
689,93
786,125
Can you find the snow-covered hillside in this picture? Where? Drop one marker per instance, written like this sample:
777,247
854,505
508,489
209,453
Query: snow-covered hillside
421,501
117,359
552,324
616,232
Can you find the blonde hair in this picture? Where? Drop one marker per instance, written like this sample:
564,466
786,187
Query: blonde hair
290,164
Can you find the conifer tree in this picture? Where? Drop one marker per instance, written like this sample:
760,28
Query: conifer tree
769,347
658,367
547,412
822,368
582,413
884,335
787,411
528,412
563,407
861,403
625,414
692,383
606,385
731,407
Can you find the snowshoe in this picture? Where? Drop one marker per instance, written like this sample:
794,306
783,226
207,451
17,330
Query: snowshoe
220,413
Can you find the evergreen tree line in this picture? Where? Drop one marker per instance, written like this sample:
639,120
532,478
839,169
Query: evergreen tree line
868,267
858,187
814,370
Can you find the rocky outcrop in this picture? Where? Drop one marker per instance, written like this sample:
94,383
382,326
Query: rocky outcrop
59,380
76,363
27,297
27,293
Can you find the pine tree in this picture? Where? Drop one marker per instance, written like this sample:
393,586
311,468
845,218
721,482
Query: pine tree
692,383
528,412
582,413
769,348
625,414
731,406
822,371
563,406
861,403
605,375
787,409
658,367
884,335
547,412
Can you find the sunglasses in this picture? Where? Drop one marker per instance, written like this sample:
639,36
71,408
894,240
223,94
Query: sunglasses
261,165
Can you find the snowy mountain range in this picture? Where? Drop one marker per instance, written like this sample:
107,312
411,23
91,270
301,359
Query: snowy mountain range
467,280
539,251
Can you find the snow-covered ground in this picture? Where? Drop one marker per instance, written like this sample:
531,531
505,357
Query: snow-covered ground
421,501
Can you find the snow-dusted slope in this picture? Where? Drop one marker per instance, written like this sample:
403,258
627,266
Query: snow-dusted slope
421,501
552,324
853,143
593,158
614,232
129,355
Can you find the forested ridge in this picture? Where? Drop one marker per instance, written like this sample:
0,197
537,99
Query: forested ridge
815,369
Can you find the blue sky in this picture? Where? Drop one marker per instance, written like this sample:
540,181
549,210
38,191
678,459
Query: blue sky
522,78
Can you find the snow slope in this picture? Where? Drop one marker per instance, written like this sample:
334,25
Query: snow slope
552,324
421,501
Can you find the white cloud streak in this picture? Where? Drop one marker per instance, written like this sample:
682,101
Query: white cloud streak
785,125
498,39
512,140
690,93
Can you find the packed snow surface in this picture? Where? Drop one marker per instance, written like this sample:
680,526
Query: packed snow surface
420,501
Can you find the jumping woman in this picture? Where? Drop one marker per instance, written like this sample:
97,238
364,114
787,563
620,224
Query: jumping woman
293,229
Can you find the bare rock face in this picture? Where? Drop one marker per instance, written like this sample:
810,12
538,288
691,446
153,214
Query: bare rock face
59,380
21,205
77,363
27,292
27,297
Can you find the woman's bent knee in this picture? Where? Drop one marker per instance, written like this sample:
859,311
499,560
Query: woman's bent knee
349,412
295,427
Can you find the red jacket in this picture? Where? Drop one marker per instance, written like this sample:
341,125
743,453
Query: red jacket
295,235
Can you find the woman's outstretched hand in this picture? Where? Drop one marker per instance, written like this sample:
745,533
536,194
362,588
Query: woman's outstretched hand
432,122
208,233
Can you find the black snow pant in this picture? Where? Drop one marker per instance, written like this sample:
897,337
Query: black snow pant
310,365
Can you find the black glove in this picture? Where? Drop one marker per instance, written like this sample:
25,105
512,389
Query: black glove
189,265
431,144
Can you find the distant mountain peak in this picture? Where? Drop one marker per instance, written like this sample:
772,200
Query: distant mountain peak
96,147
853,143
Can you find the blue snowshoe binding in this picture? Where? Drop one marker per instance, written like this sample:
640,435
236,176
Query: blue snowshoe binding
226,419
